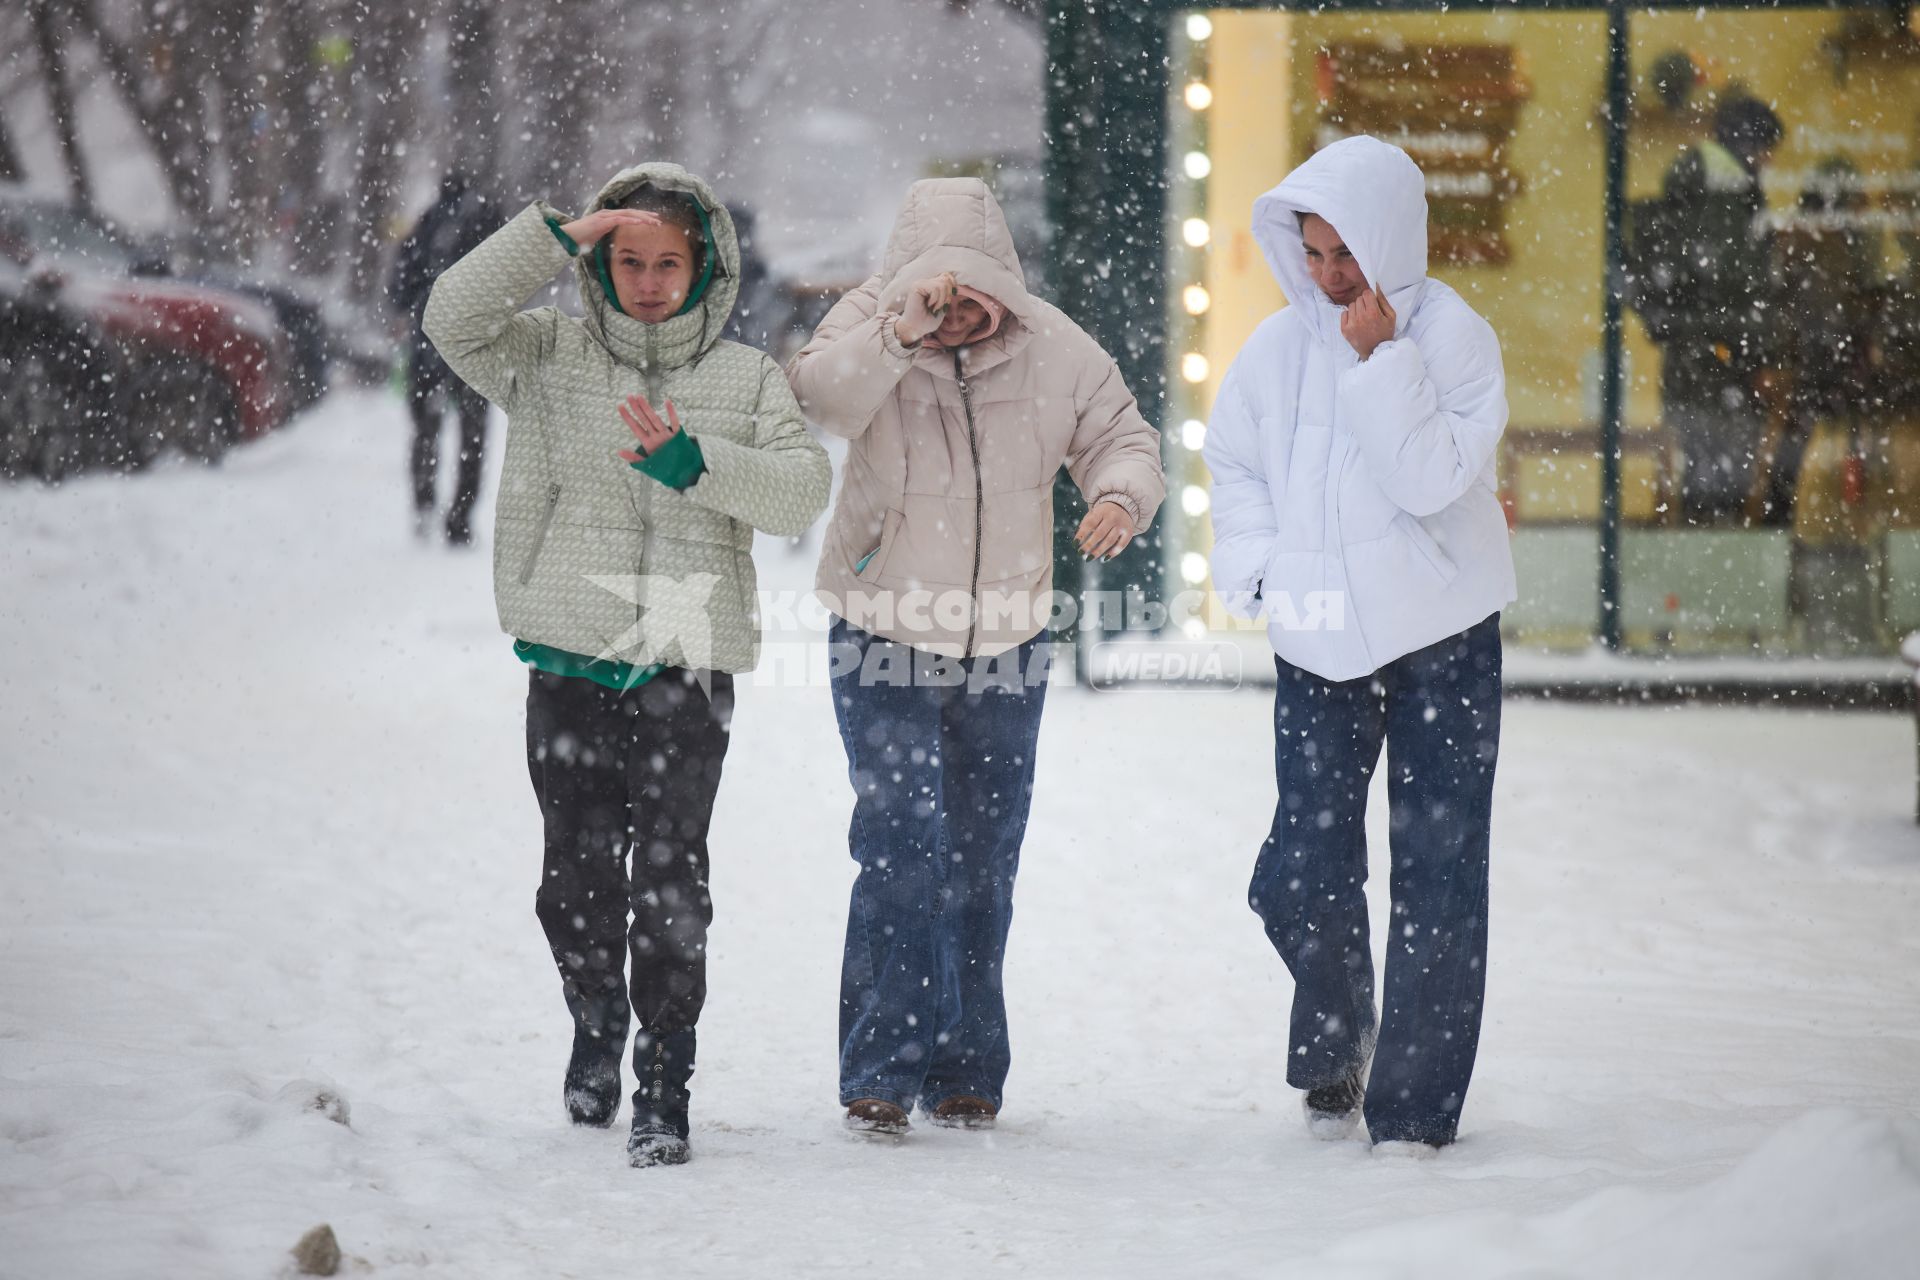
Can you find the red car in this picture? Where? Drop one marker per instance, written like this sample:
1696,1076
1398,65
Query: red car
211,363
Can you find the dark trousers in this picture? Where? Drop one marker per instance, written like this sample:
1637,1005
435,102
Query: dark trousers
1438,712
427,400
942,778
617,773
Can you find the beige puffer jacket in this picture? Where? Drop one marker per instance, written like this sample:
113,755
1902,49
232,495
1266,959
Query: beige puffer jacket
942,537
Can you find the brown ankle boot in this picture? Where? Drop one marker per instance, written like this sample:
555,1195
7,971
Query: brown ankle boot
872,1116
964,1111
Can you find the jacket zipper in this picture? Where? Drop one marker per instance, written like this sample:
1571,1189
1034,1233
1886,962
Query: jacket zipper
979,504
650,375
650,382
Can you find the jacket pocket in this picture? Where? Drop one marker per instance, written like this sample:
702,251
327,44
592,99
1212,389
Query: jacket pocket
540,532
873,563
1429,549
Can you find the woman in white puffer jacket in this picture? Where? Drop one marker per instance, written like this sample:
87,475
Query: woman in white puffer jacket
1352,449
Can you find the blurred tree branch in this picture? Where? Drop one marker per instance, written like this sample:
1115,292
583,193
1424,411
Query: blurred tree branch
54,73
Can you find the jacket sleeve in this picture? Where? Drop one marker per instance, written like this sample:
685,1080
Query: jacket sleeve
780,482
1114,454
474,317
1427,422
851,365
1242,508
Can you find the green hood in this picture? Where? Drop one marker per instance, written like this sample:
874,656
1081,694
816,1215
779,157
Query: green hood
691,334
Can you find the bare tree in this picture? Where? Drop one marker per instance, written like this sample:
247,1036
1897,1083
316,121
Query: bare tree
386,38
565,88
239,216
742,81
48,30
471,104
180,50
10,167
17,77
305,102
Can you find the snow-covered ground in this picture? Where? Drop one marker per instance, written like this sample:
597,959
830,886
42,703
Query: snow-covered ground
267,833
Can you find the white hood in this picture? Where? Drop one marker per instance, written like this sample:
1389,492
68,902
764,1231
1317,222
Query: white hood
1375,196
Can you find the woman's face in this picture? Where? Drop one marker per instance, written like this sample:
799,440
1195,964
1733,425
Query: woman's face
963,316
652,269
1330,262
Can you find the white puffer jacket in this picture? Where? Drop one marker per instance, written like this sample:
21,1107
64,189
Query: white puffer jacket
1354,502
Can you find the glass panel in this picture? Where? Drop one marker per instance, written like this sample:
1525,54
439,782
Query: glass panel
1775,338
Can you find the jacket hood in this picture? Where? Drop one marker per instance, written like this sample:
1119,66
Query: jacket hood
1375,196
682,337
954,224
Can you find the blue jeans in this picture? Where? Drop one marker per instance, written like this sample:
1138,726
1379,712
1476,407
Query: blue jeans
1438,712
942,778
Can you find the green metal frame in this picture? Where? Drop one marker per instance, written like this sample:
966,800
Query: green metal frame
1108,78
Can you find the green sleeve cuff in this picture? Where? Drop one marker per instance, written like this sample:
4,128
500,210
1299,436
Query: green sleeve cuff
566,241
675,464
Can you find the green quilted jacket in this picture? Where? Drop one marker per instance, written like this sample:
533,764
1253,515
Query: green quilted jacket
591,556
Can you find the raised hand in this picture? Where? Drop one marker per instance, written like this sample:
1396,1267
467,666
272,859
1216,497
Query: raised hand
647,427
1368,322
927,302
587,231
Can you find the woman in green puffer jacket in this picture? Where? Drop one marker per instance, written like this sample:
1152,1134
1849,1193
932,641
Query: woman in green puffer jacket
628,589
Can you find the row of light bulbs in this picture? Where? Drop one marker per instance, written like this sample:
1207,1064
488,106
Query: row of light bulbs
1194,368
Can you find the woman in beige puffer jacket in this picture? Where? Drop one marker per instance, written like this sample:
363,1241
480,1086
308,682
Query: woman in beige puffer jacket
962,396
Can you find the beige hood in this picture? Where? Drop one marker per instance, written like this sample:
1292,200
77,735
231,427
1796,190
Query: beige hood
947,498
955,224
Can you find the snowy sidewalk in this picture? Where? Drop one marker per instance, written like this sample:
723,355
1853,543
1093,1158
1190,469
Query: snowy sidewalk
265,829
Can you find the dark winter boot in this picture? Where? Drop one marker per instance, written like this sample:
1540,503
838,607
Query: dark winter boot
663,1063
875,1118
1333,1110
964,1111
592,1090
593,1079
